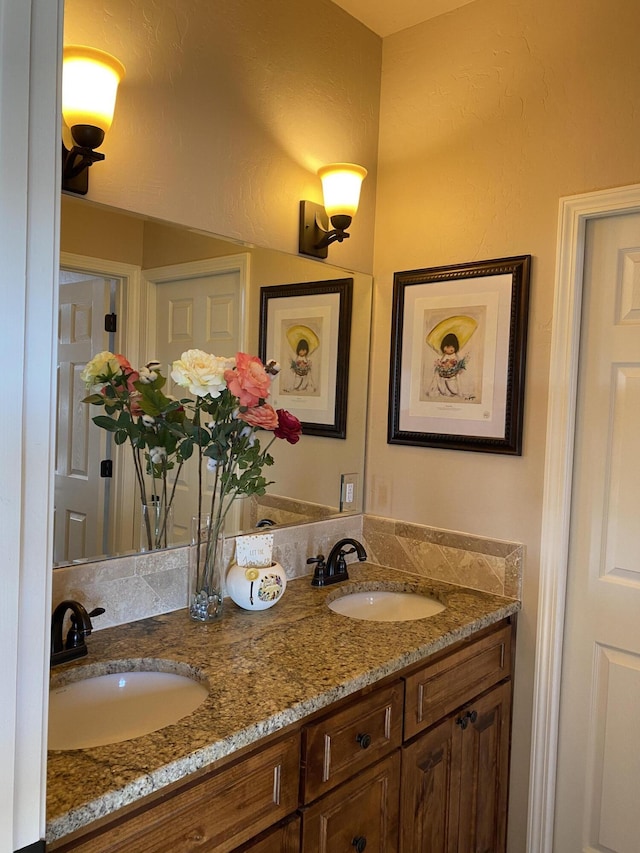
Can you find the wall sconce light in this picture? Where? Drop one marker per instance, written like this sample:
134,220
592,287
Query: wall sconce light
90,79
341,184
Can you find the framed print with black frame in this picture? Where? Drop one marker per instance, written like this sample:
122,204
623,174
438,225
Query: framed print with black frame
458,352
307,329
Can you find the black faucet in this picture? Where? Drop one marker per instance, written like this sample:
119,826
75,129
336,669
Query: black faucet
335,569
81,627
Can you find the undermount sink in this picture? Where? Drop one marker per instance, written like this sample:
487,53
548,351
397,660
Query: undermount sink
386,606
119,706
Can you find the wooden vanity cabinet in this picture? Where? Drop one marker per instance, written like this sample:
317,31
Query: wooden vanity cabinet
455,774
417,765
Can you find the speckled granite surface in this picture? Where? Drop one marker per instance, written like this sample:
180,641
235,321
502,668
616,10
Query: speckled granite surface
265,670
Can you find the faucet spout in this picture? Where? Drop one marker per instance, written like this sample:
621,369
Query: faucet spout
336,563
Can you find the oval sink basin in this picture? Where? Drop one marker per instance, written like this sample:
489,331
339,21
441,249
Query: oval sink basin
119,706
386,606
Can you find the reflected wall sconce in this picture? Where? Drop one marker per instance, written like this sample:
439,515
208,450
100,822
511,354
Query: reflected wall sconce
341,184
90,79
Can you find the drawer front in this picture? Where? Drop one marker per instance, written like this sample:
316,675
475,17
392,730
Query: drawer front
439,688
343,743
217,813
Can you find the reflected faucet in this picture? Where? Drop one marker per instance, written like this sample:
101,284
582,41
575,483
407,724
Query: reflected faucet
81,627
335,569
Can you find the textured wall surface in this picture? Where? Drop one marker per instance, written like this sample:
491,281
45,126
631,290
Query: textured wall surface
488,116
228,109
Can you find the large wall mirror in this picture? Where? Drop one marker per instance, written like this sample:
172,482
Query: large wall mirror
172,289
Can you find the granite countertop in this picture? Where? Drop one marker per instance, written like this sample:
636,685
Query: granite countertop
265,670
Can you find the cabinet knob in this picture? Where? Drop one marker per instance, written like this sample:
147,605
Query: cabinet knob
365,742
472,716
463,722
359,842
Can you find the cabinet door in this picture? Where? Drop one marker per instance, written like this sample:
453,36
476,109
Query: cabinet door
361,813
484,772
431,791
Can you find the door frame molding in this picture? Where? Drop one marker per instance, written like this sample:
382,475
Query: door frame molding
574,213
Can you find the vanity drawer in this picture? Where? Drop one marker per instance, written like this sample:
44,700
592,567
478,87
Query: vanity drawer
343,743
439,688
216,813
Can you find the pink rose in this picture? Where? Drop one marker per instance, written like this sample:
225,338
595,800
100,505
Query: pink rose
263,417
249,381
289,426
131,376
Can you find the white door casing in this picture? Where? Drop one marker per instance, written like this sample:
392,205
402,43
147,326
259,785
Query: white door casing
575,212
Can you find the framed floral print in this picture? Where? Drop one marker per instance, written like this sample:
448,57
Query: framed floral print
307,328
458,353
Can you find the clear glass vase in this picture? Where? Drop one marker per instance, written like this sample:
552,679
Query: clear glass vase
156,526
206,569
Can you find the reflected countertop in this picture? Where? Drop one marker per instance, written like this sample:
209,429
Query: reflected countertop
265,670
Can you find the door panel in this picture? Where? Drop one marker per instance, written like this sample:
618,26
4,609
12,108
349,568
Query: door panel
598,778
79,490
196,310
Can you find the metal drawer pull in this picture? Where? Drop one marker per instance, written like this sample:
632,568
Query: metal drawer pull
359,842
365,742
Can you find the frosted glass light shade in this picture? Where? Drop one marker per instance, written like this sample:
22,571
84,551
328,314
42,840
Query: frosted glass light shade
341,184
90,79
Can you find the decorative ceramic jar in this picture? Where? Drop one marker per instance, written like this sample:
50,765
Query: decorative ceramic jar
254,588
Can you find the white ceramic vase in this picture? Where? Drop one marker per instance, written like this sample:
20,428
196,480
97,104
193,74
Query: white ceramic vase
254,588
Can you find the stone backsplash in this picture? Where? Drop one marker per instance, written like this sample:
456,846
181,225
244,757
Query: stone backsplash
142,585
490,565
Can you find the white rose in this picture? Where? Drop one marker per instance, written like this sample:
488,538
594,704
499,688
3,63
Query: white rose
211,464
158,455
98,366
201,372
147,420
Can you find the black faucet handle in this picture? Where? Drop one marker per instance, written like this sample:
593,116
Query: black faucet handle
318,574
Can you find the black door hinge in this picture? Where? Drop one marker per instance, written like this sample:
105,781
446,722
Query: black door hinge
110,322
106,468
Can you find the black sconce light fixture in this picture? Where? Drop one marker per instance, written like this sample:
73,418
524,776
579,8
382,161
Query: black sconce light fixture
90,79
341,184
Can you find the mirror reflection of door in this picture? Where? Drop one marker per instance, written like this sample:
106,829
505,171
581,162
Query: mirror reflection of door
198,305
82,497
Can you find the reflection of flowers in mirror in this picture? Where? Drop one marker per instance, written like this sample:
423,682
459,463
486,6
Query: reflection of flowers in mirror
220,425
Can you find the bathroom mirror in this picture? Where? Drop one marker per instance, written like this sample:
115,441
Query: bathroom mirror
117,263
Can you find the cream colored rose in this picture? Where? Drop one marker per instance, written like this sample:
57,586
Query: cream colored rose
99,366
201,372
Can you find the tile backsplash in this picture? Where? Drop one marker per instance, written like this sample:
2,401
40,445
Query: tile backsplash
142,585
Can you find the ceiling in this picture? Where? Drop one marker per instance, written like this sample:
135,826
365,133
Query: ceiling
385,17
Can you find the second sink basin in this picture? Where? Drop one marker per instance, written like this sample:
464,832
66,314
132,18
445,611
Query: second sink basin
386,606
119,706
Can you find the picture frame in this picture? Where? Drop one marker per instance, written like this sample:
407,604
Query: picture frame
306,327
458,354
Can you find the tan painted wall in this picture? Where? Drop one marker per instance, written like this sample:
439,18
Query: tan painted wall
488,116
228,109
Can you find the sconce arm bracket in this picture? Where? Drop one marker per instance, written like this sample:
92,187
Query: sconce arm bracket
75,168
315,235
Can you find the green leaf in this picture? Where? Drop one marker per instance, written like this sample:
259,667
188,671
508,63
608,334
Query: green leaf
105,422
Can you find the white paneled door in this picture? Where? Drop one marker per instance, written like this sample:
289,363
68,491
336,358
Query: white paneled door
598,776
198,305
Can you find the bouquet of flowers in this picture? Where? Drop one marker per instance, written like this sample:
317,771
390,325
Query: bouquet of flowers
221,424
224,424
138,411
